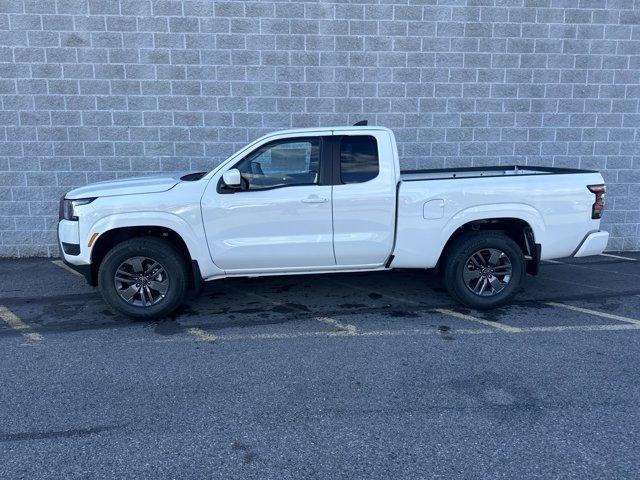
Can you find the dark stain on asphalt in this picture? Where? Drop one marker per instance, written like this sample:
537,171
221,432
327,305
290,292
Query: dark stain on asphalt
249,310
183,311
445,332
107,312
611,305
64,310
71,433
493,316
488,315
403,314
375,296
248,455
290,307
168,327
352,305
283,288
500,394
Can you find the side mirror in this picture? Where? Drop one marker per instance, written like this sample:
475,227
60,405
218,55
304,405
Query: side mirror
232,178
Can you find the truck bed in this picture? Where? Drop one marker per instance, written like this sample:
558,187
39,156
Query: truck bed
475,172
432,204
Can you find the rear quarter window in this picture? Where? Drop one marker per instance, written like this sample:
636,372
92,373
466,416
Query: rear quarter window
358,159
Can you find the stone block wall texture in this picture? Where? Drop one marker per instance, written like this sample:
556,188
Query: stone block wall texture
97,89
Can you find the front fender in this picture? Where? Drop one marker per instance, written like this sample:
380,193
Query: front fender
151,219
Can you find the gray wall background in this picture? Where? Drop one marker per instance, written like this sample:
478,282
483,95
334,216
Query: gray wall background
97,89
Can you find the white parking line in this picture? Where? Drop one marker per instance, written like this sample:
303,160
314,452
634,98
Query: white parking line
610,316
345,327
370,333
61,264
348,328
17,324
421,332
202,334
582,328
463,316
618,256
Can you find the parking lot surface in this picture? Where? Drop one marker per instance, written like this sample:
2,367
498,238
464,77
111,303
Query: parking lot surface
369,375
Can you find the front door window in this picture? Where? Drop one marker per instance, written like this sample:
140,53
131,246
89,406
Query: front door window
282,163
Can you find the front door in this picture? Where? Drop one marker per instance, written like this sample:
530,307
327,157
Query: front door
280,219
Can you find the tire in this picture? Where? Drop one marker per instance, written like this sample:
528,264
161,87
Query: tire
483,286
163,288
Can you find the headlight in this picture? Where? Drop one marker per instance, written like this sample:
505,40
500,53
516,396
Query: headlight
68,207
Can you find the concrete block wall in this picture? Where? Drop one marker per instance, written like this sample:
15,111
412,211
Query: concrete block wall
97,89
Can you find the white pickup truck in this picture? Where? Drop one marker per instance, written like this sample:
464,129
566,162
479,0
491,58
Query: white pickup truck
326,200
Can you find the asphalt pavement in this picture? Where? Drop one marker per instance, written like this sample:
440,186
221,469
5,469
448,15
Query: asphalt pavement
340,376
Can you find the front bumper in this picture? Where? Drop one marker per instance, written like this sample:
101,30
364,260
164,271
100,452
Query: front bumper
69,233
593,244
71,250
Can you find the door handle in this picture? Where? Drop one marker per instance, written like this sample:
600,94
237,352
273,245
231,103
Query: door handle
314,199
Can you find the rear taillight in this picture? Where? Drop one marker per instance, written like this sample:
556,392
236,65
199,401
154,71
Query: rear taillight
599,191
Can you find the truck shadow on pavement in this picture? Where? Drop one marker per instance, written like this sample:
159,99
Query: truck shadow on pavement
399,297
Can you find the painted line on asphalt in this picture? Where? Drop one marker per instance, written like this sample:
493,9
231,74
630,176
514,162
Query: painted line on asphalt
202,334
471,318
610,316
344,327
618,256
583,328
61,264
424,332
16,323
370,333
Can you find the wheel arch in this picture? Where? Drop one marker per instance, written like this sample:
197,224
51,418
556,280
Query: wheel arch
107,239
516,228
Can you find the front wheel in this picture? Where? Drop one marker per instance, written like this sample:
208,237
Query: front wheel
484,270
143,278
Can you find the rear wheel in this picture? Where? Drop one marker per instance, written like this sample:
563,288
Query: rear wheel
143,278
484,270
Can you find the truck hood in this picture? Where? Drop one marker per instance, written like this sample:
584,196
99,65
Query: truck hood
126,186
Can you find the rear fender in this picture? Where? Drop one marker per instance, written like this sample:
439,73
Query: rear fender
421,242
518,211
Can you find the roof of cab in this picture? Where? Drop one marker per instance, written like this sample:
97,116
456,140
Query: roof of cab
332,128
